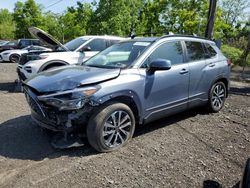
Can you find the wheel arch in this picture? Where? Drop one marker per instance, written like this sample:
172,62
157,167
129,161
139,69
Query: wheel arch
53,62
129,98
225,81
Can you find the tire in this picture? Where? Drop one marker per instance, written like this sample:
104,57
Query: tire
14,58
104,131
217,97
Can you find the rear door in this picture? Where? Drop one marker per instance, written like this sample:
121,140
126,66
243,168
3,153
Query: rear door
201,73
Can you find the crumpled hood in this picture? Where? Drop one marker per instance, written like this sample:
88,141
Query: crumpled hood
69,77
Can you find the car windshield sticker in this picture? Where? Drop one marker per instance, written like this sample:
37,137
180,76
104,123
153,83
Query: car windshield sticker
141,43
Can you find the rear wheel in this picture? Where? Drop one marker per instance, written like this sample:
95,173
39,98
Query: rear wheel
217,97
14,58
111,127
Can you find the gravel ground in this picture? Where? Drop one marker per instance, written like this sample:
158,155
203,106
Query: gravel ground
191,149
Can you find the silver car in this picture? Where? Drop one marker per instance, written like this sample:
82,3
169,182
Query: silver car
132,82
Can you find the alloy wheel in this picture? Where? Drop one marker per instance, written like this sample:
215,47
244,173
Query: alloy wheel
117,128
218,96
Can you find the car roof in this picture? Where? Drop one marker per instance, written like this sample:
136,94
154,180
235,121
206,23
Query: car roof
102,37
185,37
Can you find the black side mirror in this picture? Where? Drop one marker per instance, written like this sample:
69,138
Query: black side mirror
245,183
159,64
85,49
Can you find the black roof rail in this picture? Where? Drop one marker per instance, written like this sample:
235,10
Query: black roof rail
132,36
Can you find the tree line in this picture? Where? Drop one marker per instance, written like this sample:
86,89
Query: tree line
125,17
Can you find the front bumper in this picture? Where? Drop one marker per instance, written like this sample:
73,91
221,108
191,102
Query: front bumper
55,120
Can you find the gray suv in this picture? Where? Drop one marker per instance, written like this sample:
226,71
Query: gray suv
133,82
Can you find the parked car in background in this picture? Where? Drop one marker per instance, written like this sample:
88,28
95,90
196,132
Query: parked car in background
19,44
74,52
134,81
3,42
14,55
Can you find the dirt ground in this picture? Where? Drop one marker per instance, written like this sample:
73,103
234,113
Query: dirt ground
191,149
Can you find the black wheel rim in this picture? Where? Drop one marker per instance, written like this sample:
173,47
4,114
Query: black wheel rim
117,129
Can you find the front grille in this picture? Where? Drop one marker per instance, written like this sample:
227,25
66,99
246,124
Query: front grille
23,59
21,76
33,102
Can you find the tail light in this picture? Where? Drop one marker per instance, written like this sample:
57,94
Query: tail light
229,62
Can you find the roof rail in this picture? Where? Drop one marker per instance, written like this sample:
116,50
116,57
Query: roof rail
190,36
132,36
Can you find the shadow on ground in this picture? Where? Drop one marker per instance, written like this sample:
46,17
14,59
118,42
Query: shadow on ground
21,139
215,184
240,91
10,87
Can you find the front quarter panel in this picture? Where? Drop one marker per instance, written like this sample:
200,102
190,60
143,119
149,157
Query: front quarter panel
129,83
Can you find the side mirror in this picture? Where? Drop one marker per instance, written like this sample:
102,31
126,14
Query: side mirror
85,49
245,182
159,64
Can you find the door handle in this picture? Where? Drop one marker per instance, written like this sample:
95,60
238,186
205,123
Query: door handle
183,71
211,64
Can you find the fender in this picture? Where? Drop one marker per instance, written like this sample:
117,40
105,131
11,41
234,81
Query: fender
52,62
222,76
124,93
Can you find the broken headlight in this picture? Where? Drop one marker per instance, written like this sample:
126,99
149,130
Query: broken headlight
69,100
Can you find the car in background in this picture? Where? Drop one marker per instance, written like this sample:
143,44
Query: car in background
19,44
133,82
13,56
75,51
3,42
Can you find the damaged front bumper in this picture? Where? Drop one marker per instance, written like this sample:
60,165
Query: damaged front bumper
57,120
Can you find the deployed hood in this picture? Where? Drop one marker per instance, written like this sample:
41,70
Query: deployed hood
69,77
46,38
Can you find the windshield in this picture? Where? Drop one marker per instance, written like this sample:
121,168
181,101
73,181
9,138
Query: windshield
120,55
74,44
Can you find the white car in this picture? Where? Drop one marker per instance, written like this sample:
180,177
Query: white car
75,51
14,55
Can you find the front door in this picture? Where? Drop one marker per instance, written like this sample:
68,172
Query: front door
166,92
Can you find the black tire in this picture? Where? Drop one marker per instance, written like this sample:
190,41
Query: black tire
216,102
14,58
99,124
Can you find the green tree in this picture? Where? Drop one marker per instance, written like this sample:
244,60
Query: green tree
7,25
115,17
26,15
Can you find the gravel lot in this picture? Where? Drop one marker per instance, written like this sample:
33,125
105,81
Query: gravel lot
190,149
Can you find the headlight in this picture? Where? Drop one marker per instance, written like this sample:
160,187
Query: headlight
69,100
6,53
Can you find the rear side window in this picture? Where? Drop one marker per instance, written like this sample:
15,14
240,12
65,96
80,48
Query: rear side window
36,42
111,42
97,45
170,51
195,51
210,51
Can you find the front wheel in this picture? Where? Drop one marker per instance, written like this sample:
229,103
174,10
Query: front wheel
14,58
217,97
111,127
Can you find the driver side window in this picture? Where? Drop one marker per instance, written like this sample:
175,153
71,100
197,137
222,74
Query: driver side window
97,45
169,51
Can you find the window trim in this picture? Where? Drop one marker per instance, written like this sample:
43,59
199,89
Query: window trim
155,47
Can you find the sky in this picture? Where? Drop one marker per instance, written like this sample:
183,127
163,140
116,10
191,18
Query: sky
59,7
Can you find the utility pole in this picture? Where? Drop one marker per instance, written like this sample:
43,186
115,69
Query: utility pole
211,19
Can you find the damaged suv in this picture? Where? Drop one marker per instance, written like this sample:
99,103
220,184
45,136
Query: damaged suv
133,82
